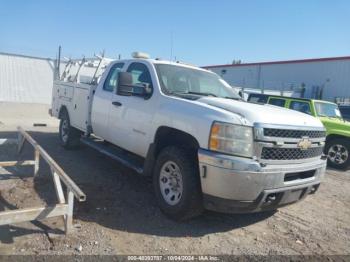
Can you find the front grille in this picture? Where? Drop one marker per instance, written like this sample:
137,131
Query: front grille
276,153
290,133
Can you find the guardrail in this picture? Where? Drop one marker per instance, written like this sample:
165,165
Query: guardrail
63,208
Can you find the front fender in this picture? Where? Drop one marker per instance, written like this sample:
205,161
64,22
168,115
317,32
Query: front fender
339,132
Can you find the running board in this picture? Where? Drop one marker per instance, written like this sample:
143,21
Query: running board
113,152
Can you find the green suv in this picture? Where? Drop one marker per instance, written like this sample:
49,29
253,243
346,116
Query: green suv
338,130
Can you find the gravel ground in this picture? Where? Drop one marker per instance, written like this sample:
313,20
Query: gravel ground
120,215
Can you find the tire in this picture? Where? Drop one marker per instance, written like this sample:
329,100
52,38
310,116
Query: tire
338,151
69,136
178,166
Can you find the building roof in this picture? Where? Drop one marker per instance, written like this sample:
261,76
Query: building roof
26,56
284,62
48,58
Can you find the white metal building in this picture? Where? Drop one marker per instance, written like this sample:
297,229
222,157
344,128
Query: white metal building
29,79
330,76
26,79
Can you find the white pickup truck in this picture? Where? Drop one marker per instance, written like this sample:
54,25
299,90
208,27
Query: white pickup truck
190,131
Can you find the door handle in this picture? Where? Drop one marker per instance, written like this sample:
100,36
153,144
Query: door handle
116,103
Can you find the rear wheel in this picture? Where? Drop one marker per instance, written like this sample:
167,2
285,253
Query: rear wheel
338,151
177,184
69,136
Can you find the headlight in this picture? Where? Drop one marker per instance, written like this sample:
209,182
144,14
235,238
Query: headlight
231,139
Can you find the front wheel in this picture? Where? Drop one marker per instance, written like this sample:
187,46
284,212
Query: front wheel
338,151
176,183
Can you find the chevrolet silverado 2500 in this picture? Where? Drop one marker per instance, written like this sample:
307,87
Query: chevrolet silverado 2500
190,131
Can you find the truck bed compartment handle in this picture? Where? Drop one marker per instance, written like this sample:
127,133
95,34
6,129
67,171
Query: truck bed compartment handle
116,103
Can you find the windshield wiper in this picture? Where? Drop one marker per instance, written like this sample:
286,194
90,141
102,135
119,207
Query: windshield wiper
203,94
174,93
234,98
183,94
199,93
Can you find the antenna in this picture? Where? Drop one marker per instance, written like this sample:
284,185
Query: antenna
58,65
171,45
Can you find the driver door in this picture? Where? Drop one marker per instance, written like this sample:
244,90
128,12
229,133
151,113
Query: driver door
130,117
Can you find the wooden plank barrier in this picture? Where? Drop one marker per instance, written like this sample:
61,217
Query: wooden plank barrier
65,204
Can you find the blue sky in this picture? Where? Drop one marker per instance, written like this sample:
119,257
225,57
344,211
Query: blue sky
203,32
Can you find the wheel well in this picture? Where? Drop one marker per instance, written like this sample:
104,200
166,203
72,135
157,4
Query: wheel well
167,136
63,110
331,137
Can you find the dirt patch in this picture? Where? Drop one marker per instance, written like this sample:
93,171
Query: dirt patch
120,215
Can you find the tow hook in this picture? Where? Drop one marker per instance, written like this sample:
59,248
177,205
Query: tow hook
271,198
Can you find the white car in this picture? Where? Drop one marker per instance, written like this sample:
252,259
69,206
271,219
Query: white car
190,131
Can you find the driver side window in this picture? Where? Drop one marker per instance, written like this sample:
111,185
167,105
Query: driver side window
111,81
140,74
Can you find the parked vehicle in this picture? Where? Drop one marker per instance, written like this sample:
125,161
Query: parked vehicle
187,128
245,92
345,111
338,129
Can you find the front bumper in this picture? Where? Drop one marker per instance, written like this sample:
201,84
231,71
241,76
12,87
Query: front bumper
240,185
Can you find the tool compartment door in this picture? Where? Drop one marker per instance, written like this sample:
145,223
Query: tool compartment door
80,106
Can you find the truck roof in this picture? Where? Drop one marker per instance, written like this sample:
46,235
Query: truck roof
166,62
323,101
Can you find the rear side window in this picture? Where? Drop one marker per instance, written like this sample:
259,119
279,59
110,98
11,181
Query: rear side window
111,81
258,98
277,102
300,106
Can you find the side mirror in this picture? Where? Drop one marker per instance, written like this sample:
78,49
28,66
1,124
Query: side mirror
127,88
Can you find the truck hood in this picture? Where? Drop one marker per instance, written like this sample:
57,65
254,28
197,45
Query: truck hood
258,113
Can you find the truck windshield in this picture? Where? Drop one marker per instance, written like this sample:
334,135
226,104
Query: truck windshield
328,110
179,80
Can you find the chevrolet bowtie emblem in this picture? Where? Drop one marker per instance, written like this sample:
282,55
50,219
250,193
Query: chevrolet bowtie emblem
304,143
